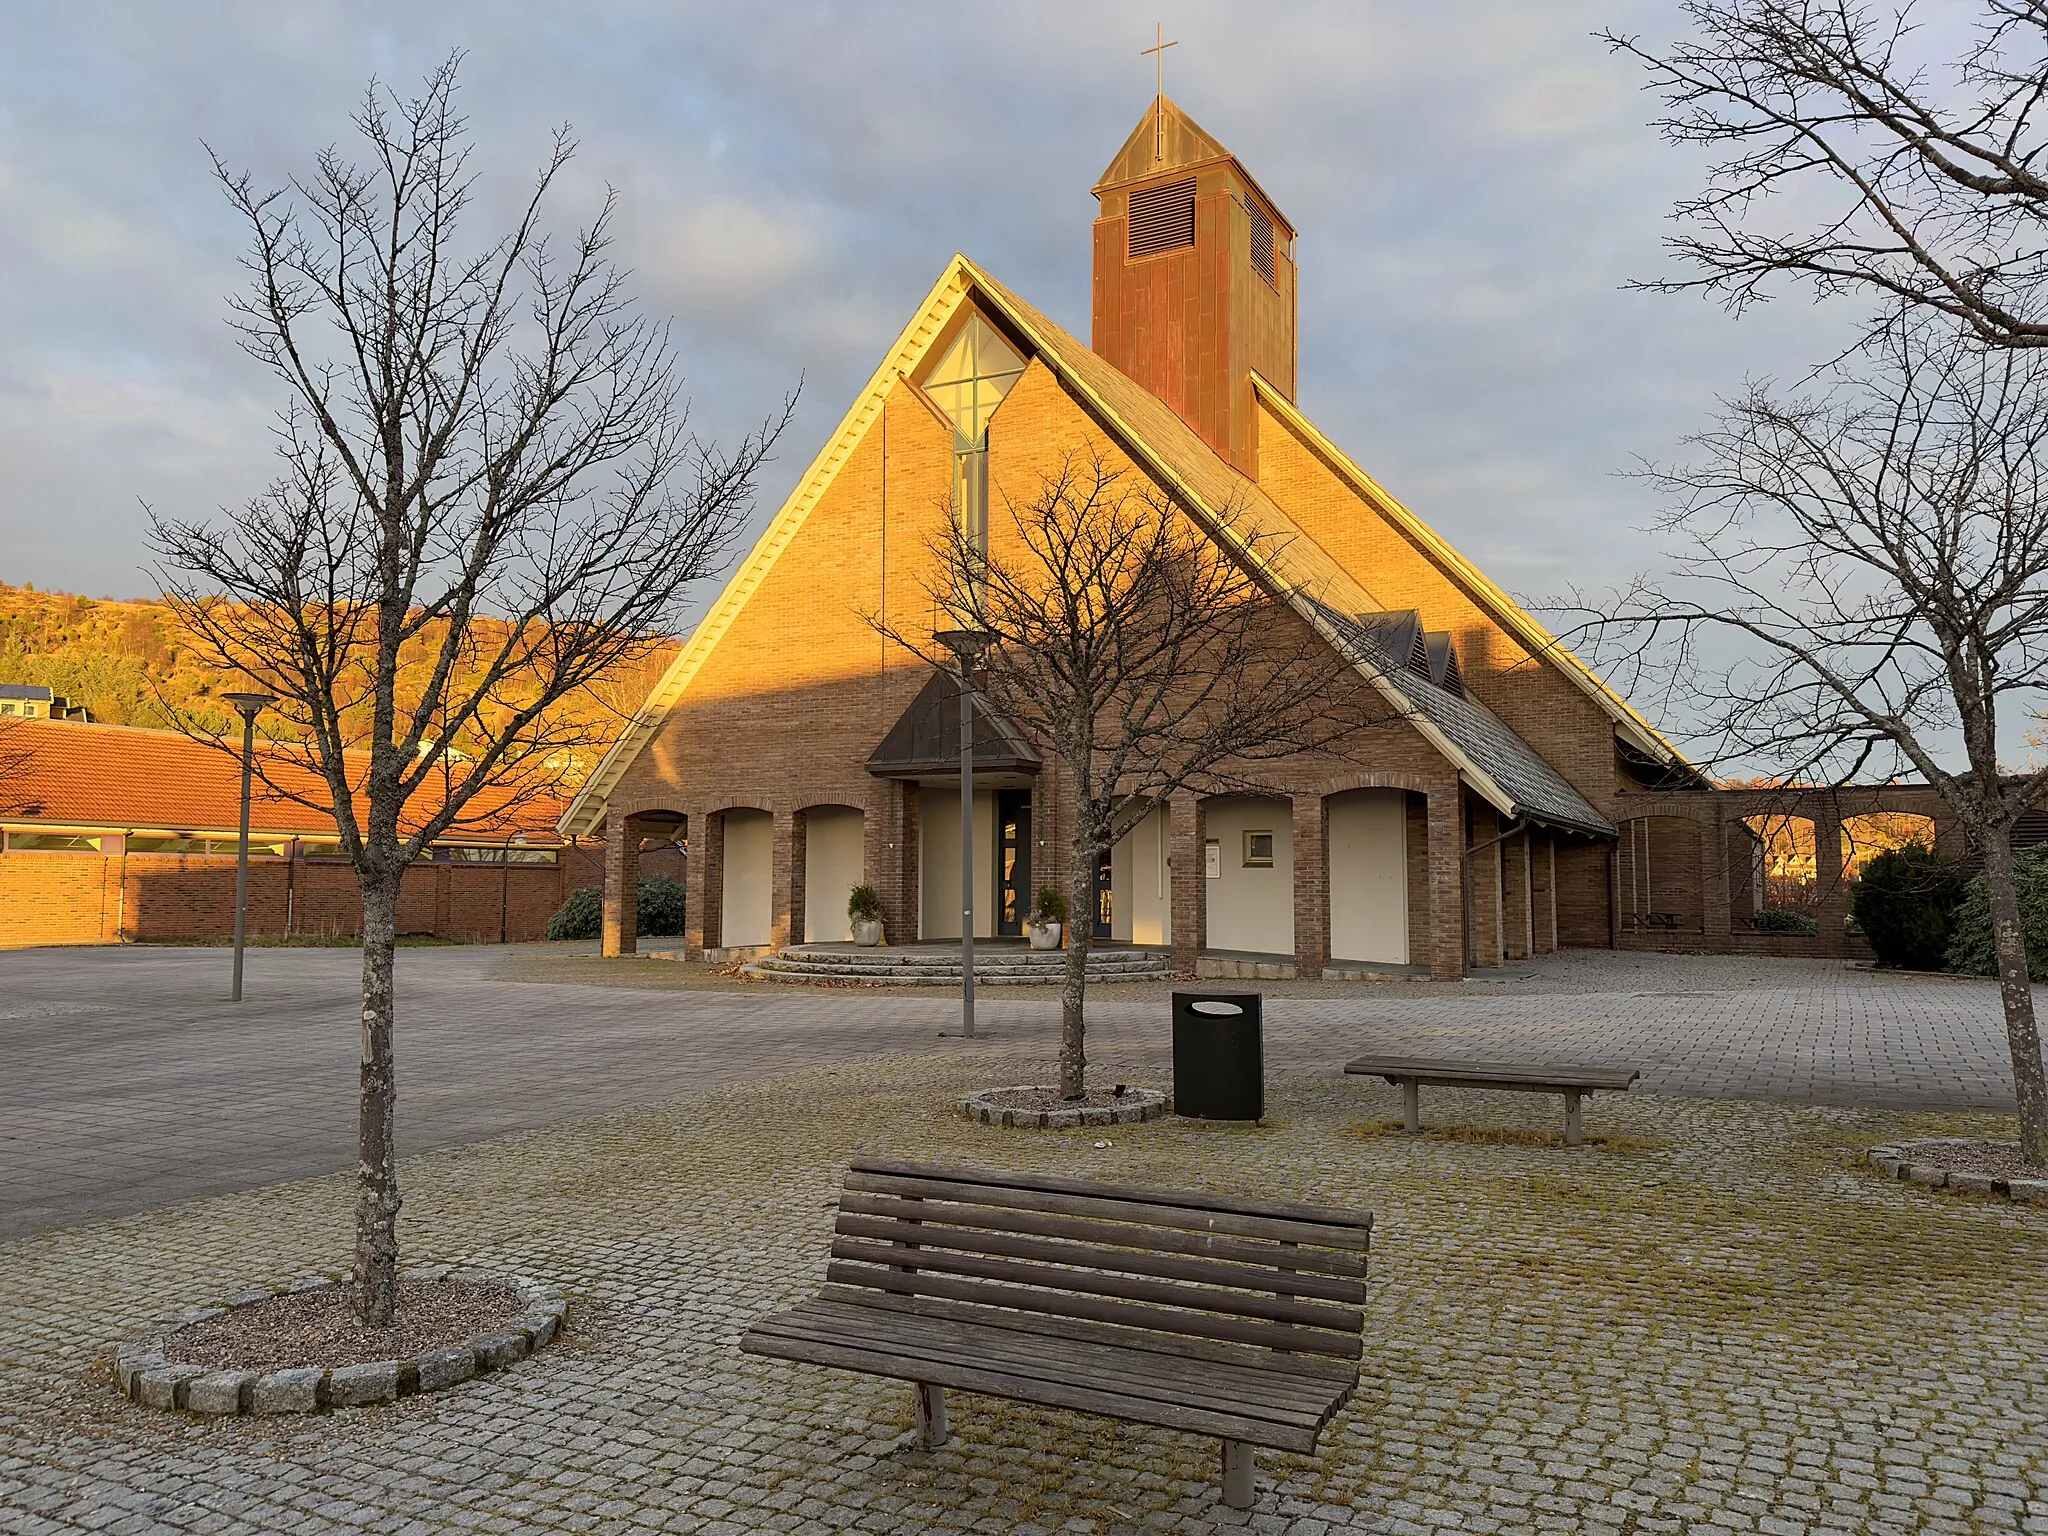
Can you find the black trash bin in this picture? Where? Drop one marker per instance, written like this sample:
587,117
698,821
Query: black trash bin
1219,1058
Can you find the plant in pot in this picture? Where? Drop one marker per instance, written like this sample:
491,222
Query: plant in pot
864,907
1048,919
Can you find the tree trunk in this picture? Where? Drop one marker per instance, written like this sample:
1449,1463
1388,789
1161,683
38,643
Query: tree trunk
2016,989
377,1202
1074,995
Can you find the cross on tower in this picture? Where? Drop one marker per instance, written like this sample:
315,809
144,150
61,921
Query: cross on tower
1158,53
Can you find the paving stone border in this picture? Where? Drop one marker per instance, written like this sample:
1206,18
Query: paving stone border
1896,1161
1139,1104
145,1376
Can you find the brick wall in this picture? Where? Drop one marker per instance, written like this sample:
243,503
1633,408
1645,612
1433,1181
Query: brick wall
82,898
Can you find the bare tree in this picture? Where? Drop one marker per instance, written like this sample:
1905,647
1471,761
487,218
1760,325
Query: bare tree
489,497
1862,586
1852,155
1140,652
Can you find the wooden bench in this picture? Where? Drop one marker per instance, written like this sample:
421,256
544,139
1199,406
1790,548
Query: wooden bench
1574,1082
1214,1314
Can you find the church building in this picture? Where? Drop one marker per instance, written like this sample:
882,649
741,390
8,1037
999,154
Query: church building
798,753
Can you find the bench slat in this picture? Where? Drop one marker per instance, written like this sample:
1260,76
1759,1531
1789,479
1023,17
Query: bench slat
1116,1208
1540,1076
1321,1261
1094,1281
1177,1346
1026,1298
1282,1400
1180,1199
1027,1389
928,1235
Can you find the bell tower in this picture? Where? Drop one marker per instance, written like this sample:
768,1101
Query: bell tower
1194,279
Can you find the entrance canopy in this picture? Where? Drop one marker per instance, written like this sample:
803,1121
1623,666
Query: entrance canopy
925,741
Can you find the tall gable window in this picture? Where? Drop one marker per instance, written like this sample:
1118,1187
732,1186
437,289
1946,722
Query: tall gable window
1162,218
969,381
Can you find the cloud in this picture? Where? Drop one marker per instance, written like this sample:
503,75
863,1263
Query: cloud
1474,184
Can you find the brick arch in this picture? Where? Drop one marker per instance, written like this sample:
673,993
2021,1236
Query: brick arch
1343,784
717,805
1661,874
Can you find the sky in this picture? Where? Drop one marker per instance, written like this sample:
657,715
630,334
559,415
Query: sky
1474,182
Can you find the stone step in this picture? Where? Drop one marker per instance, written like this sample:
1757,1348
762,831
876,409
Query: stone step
940,968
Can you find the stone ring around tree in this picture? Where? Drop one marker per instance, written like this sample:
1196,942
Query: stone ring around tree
297,1348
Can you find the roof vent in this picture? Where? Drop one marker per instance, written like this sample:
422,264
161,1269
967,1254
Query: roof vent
1443,663
1398,637
1162,218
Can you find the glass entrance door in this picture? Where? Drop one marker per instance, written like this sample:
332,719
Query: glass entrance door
1013,861
1104,901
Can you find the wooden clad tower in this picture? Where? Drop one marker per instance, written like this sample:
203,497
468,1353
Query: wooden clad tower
1194,279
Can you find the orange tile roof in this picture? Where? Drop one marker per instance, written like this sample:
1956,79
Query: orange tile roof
70,774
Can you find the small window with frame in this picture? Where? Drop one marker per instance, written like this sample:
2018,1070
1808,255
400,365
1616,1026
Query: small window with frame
1258,850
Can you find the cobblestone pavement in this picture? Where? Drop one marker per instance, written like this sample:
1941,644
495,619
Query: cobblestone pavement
1714,1320
131,1083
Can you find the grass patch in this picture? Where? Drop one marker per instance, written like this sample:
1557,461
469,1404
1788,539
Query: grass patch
1504,1136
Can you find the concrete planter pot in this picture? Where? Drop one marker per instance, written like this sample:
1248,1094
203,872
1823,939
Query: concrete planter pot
867,931
1043,935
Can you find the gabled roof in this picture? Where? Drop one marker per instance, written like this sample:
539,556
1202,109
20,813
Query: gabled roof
71,774
926,738
1168,140
1491,758
1504,610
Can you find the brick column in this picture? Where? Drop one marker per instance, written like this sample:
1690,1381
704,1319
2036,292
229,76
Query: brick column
1190,880
1446,882
1483,872
706,887
881,856
1542,893
621,884
910,865
1830,885
1311,886
786,859
1518,898
1714,874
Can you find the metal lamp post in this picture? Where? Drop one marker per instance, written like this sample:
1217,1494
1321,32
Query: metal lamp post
966,645
249,705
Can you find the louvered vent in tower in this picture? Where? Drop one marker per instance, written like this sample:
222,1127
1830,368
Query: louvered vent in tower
1262,238
1162,218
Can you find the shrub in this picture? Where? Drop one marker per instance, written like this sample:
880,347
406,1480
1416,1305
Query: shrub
1969,945
1905,902
1052,906
864,904
661,905
582,915
1785,920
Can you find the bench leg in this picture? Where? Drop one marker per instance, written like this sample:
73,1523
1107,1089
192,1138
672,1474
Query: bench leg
931,1416
1238,1467
1573,1132
1411,1108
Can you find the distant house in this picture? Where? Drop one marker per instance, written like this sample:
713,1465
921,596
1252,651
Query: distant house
115,834
31,701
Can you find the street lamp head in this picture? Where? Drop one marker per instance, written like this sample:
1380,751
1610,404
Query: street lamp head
250,705
965,644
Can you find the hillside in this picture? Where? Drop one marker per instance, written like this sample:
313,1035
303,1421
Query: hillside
132,663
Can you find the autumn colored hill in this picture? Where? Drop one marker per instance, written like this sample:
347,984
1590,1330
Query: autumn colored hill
131,663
